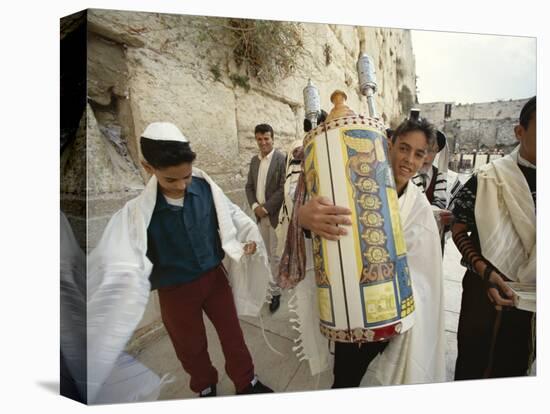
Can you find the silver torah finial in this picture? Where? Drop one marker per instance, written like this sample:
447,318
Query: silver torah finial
367,81
312,103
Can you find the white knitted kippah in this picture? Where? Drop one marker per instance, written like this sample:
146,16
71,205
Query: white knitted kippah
163,131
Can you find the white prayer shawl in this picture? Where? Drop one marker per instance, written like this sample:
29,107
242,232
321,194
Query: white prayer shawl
311,345
118,275
442,159
505,219
417,356
129,380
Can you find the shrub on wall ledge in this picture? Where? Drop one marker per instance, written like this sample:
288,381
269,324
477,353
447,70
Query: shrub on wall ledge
265,50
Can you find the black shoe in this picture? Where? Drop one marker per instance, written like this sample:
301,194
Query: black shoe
208,392
257,388
275,303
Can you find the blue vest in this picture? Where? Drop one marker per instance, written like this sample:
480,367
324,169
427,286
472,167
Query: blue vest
183,242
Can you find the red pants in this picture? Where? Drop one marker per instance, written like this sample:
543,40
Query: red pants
181,308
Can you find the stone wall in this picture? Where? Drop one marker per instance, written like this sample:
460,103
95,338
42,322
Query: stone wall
144,67
481,134
479,126
484,110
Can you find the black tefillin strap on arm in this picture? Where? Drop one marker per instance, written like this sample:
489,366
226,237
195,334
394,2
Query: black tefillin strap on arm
472,259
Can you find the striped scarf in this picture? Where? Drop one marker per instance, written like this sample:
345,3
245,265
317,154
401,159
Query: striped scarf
292,268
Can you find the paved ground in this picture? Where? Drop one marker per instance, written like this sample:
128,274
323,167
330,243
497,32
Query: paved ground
285,373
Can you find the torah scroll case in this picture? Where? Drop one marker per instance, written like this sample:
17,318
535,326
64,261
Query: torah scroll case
363,282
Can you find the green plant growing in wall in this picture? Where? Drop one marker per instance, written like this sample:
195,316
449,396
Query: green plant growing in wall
215,70
240,80
327,51
264,50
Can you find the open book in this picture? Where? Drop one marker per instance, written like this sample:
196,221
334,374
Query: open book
525,295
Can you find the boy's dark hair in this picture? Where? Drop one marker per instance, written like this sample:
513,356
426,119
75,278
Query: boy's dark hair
263,128
164,154
441,140
527,112
411,125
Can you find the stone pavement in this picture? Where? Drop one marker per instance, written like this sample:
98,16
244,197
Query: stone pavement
285,373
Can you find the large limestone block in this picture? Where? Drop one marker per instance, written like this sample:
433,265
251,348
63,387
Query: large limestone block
474,133
435,112
180,37
118,26
347,37
252,109
107,73
505,135
231,182
161,90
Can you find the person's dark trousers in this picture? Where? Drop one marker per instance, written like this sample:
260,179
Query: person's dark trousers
182,307
491,343
351,361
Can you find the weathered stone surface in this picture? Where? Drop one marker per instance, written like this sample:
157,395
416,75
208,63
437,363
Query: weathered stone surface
252,109
106,204
505,135
111,25
170,78
490,110
204,111
107,171
233,186
486,125
476,134
73,164
107,72
485,110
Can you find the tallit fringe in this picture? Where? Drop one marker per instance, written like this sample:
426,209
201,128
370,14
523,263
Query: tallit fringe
296,324
167,379
269,294
265,337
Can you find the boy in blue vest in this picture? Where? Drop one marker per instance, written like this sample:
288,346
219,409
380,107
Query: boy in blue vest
173,238
185,248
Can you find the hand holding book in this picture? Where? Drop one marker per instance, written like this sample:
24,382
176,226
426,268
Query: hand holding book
525,295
